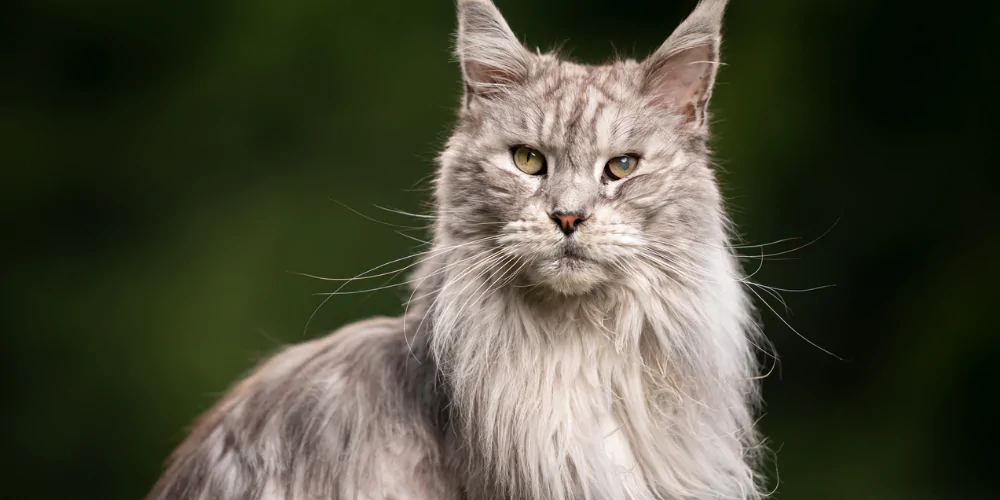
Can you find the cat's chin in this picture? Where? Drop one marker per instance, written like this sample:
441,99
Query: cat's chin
570,275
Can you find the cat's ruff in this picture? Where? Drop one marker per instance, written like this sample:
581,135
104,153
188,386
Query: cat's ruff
573,333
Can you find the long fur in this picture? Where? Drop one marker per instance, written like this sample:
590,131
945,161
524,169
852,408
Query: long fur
626,371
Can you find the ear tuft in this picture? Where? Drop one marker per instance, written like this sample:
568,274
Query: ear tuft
681,74
490,54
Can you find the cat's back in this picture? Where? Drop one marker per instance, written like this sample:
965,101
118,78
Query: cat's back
356,414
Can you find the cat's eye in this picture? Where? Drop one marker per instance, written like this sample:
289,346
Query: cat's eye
621,167
529,161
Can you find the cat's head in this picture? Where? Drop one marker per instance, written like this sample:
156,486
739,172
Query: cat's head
583,174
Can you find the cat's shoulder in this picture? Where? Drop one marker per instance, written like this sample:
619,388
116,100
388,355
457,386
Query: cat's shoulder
320,408
345,358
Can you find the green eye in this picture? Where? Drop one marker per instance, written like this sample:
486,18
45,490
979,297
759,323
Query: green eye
621,167
529,160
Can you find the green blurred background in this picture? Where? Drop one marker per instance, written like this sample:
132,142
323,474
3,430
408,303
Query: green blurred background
167,165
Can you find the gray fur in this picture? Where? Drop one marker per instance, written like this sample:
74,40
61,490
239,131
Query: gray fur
517,371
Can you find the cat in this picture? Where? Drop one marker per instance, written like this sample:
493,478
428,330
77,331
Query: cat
578,329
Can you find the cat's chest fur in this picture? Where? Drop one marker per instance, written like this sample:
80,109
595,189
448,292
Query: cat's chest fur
559,408
588,423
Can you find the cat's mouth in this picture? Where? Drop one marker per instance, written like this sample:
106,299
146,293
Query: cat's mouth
572,252
567,264
572,271
573,257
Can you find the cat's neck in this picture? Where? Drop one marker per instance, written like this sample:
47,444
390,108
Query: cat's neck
617,393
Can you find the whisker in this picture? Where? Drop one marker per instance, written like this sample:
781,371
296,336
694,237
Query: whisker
759,267
745,279
814,240
490,251
792,290
401,212
353,292
762,245
429,253
774,294
374,219
493,258
443,269
414,238
439,215
305,329
406,308
803,337
505,262
732,247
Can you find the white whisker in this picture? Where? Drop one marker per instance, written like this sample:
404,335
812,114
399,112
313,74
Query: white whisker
803,337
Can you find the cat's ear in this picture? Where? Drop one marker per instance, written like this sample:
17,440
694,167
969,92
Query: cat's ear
681,74
490,54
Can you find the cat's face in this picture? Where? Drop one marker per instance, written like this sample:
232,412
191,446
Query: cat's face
580,175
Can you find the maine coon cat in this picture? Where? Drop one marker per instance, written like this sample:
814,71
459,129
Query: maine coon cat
578,330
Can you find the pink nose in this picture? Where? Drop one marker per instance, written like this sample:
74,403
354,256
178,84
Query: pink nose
567,222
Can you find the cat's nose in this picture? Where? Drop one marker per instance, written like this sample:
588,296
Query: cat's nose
567,221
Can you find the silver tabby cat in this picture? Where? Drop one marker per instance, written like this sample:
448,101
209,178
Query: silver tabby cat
578,330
